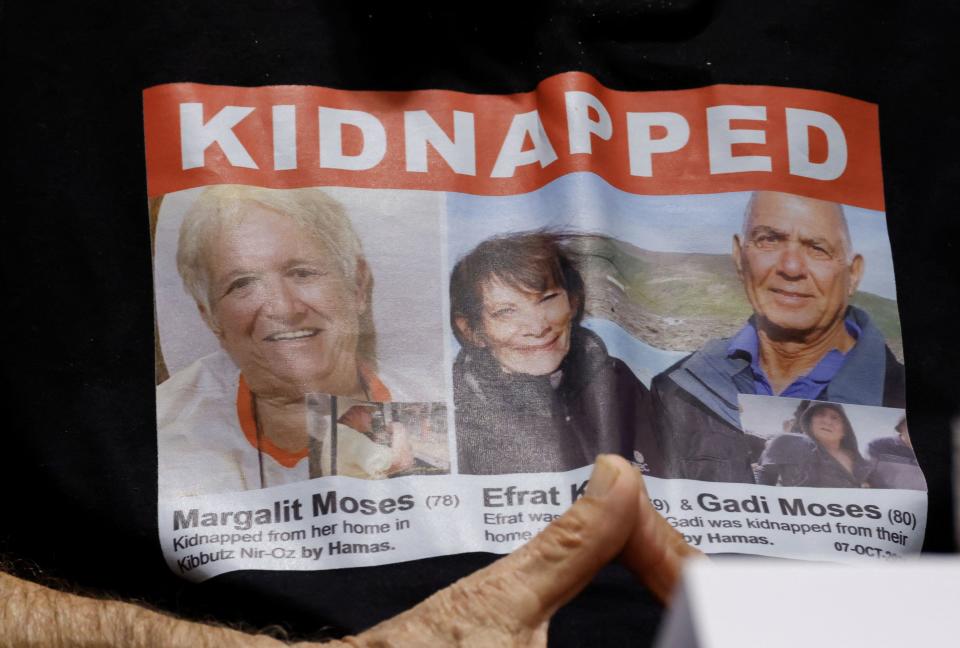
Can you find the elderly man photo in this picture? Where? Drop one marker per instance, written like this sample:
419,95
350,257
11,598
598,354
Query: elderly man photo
535,390
796,261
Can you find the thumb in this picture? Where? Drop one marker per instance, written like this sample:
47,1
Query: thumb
655,551
559,562
510,602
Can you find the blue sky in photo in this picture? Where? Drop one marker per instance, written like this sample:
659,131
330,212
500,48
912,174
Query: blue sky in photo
703,223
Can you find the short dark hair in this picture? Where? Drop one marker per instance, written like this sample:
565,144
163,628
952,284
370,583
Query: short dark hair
531,261
849,440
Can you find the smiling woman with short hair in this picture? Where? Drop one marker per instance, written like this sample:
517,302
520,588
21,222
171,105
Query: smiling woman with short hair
280,279
535,391
825,453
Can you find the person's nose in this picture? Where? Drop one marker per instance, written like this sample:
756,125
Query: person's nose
283,302
535,322
792,262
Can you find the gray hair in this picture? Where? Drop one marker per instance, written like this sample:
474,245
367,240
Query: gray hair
317,213
844,228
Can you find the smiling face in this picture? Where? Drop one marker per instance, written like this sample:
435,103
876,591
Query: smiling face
281,307
827,427
527,332
795,264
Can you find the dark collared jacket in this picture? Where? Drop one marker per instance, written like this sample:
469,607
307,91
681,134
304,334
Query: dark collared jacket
895,465
697,415
797,460
515,423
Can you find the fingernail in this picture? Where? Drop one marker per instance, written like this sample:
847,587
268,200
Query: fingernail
603,477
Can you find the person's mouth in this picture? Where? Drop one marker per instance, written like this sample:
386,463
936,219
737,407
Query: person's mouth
534,348
790,296
296,334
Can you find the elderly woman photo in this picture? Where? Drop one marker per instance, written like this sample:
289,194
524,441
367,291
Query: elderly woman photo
280,279
534,391
823,454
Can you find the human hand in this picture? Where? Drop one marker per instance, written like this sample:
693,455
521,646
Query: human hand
655,551
507,604
510,602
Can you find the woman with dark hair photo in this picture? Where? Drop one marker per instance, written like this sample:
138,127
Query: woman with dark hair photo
535,391
824,454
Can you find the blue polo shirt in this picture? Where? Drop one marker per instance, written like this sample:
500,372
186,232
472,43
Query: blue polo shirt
746,343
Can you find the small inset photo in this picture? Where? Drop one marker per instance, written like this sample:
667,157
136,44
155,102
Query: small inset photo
376,440
830,445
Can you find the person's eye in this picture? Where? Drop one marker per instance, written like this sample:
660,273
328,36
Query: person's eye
819,252
302,272
239,284
502,313
766,241
548,296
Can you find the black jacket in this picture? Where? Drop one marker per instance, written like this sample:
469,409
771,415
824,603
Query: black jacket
696,407
896,465
516,423
797,460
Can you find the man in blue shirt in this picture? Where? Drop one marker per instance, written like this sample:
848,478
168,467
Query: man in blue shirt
795,258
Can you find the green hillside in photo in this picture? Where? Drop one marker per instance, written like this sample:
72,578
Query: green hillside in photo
678,301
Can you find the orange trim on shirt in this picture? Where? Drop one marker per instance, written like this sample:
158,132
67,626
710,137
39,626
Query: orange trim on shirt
248,423
376,391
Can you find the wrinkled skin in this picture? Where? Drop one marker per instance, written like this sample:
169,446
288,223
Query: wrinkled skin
510,602
507,604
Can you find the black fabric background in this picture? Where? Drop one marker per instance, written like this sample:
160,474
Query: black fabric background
79,469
